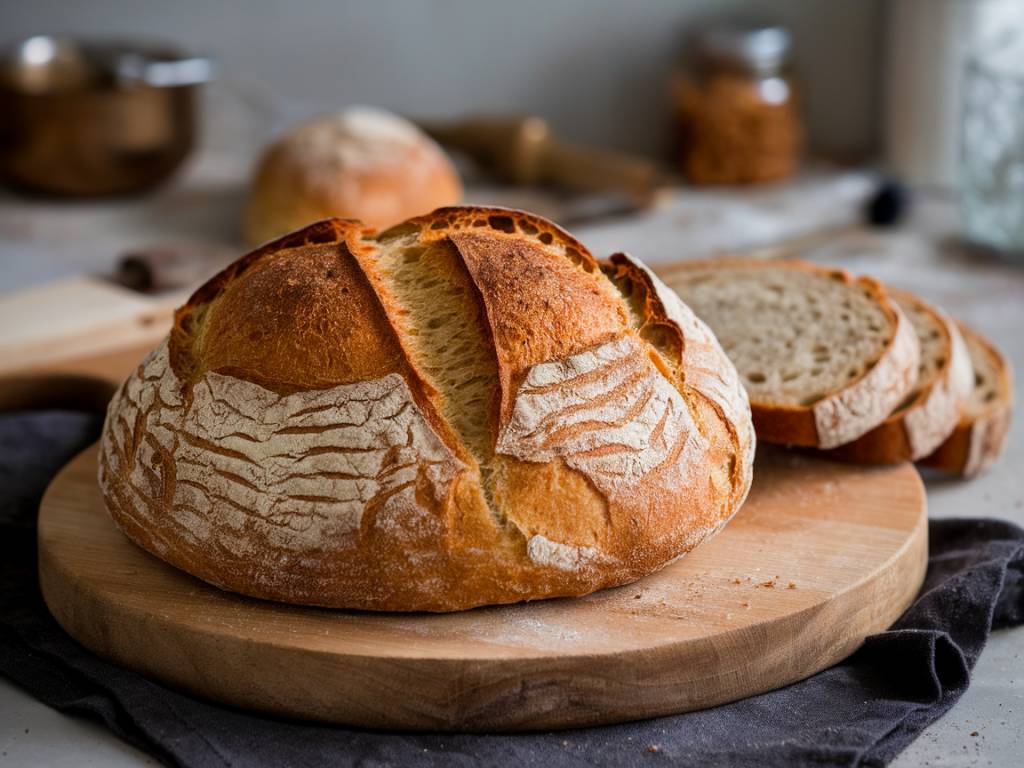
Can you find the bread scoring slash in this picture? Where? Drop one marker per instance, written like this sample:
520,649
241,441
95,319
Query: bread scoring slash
464,409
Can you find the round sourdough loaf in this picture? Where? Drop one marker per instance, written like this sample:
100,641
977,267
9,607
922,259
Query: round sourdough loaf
461,410
360,163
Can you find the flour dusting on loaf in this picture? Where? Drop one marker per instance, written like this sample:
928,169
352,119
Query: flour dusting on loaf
359,137
708,368
292,473
457,412
610,414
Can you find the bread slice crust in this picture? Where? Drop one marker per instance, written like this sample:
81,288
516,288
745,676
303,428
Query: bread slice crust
981,433
848,411
931,413
457,411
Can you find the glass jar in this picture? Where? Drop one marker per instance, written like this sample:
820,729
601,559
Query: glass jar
736,108
992,151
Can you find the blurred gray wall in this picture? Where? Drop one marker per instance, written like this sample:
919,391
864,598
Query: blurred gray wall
597,69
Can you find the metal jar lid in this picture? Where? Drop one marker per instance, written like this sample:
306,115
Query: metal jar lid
759,48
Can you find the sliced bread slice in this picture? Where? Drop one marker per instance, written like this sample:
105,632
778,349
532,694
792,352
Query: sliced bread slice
980,436
824,357
930,413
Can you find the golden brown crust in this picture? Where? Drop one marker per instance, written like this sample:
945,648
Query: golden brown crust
863,403
980,437
539,306
286,322
290,442
509,221
281,316
540,288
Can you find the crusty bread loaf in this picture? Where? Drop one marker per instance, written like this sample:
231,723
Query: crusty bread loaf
980,436
458,411
824,357
360,163
930,413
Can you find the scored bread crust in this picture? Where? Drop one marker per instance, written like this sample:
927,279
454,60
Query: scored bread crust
929,416
700,364
979,437
850,411
305,433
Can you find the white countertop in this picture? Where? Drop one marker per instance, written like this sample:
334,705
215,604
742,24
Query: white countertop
44,241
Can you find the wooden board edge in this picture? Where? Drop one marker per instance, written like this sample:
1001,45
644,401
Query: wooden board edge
517,701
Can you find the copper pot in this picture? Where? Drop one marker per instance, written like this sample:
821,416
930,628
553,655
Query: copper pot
91,119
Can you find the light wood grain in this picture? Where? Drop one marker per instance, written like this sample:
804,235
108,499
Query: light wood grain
45,327
822,555
69,344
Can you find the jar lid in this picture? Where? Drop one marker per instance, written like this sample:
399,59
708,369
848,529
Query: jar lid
762,48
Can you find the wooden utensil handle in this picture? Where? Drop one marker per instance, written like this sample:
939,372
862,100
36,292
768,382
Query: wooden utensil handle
586,168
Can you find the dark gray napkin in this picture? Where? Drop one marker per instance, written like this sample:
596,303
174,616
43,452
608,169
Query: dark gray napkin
860,712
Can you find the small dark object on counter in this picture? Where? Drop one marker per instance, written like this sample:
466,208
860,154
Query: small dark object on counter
888,205
170,267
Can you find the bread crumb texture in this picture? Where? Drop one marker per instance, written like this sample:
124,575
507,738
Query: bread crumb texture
824,357
793,335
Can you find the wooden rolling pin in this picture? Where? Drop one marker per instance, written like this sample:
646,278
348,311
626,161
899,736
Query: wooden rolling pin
524,151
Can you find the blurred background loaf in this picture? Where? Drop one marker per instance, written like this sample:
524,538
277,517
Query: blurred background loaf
359,163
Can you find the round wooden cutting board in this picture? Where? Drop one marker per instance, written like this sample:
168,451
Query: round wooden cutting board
821,555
